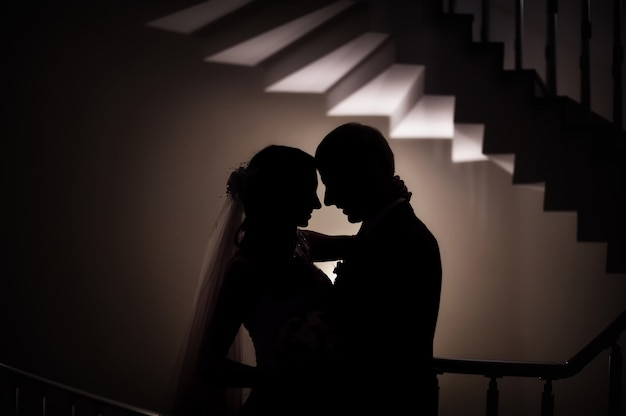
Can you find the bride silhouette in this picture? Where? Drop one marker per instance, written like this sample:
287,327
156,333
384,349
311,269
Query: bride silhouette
259,276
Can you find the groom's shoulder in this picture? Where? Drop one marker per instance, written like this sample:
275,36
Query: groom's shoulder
415,230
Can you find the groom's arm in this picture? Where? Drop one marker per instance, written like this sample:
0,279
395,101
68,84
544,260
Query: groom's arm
324,247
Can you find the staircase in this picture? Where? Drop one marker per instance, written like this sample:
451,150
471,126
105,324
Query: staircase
332,49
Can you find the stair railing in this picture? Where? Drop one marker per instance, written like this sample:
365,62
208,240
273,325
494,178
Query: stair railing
26,394
548,371
550,53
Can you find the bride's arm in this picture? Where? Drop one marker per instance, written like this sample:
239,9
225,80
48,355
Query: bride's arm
222,334
325,247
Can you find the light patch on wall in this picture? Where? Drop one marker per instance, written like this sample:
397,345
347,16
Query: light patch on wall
257,49
191,19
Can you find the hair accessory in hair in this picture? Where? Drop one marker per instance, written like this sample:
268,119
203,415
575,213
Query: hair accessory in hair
400,189
236,182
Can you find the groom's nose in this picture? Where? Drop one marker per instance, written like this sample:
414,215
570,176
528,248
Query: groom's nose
329,198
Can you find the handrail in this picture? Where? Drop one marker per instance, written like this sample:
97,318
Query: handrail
549,371
543,370
81,393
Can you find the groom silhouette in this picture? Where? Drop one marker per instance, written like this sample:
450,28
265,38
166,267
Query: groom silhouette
386,295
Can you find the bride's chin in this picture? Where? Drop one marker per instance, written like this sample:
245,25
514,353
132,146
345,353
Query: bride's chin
304,222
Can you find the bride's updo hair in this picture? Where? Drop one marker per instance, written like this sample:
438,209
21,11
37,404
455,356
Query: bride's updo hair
269,180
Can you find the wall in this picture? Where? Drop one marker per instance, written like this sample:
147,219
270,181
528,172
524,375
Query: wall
117,142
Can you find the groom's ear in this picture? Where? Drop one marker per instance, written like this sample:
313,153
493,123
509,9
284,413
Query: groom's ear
370,167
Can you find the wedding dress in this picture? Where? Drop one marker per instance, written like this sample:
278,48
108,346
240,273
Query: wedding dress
283,321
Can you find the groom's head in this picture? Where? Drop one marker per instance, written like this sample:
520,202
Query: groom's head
356,165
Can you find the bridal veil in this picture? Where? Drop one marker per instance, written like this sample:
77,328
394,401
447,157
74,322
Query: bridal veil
221,247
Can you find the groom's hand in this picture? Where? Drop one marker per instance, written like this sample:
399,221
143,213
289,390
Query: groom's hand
324,247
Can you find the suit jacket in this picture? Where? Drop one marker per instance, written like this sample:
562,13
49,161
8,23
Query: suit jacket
386,305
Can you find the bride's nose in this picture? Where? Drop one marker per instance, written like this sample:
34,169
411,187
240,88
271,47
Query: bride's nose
316,202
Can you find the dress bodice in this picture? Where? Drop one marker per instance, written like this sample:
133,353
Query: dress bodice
284,294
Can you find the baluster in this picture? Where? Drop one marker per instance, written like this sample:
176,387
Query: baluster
436,396
618,60
451,6
615,380
492,397
550,53
547,399
519,33
29,398
585,68
16,397
82,406
485,21
41,390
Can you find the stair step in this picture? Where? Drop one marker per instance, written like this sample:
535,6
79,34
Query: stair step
505,160
565,176
467,144
431,118
616,257
597,210
193,18
321,75
520,83
616,247
392,93
259,48
342,71
572,176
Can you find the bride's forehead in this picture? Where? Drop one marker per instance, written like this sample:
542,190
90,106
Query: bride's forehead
300,175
